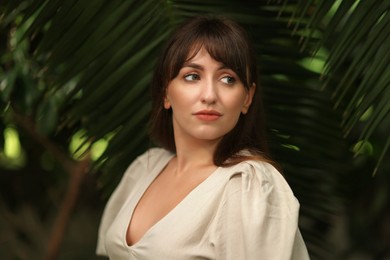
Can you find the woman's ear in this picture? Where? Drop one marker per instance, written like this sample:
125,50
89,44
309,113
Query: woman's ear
248,98
167,104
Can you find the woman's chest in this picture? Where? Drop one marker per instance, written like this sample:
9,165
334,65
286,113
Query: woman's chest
162,196
183,233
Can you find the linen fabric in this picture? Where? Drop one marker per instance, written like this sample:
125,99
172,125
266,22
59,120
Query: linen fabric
246,211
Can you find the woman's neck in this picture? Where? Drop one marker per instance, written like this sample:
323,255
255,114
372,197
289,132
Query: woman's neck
193,155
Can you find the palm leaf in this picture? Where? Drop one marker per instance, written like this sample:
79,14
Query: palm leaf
362,35
98,57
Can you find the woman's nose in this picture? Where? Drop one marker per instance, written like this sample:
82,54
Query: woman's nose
209,92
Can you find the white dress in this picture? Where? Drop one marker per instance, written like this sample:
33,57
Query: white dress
246,211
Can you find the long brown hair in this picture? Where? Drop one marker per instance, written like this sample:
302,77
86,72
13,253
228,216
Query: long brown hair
226,42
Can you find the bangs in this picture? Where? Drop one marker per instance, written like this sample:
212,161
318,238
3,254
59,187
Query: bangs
228,43
216,39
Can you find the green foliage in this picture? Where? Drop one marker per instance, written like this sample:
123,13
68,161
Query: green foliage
357,34
81,69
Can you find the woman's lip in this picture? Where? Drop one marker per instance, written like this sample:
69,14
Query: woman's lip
208,112
208,115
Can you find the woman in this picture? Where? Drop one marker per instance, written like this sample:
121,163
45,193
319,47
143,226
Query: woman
210,192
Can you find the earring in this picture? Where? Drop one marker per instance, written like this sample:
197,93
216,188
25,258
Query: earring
244,110
167,104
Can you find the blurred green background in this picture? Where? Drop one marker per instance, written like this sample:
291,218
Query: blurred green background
74,103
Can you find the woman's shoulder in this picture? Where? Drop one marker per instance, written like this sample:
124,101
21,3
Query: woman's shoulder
259,170
146,162
258,206
152,157
154,153
260,180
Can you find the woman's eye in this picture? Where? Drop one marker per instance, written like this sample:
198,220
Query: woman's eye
191,77
228,80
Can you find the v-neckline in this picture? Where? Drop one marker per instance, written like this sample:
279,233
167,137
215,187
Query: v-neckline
141,191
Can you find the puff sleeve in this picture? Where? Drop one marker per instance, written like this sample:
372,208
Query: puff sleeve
257,217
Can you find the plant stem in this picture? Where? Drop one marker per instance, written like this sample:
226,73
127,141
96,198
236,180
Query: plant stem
77,171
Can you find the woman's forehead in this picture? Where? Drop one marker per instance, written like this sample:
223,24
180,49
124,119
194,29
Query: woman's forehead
199,50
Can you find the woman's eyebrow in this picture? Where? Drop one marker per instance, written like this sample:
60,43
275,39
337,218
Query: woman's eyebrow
200,67
193,65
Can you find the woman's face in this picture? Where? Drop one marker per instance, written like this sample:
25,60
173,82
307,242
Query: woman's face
206,98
